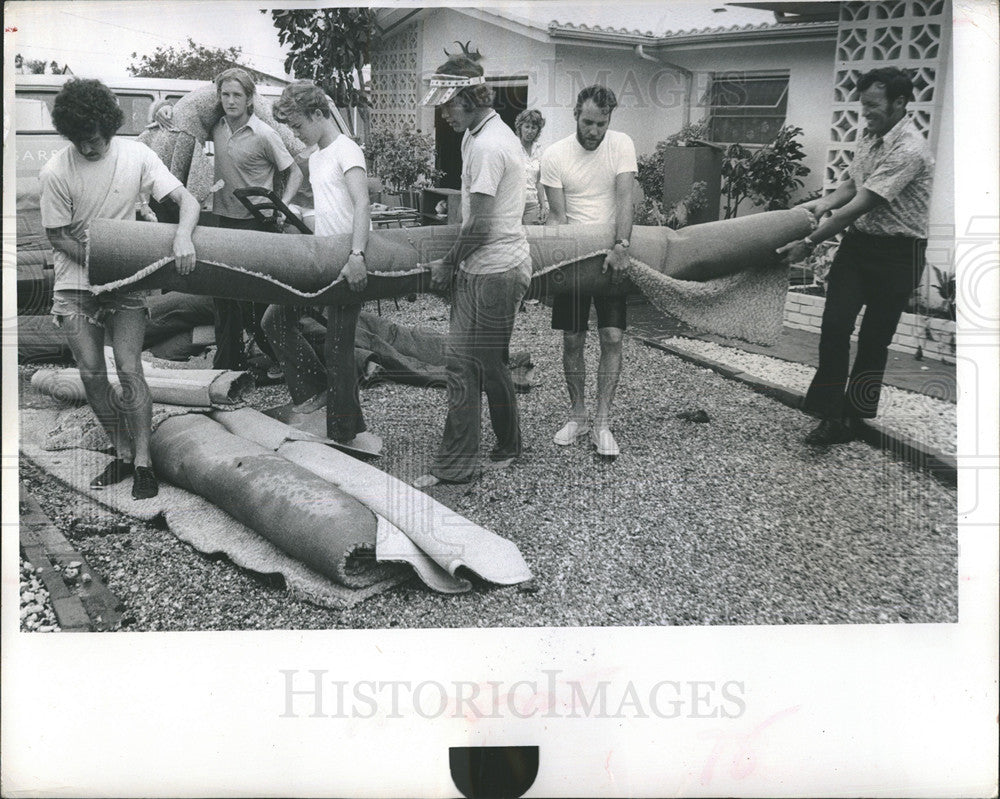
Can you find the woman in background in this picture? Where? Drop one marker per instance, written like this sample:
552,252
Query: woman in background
528,127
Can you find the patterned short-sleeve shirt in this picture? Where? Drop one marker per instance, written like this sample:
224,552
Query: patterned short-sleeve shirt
899,168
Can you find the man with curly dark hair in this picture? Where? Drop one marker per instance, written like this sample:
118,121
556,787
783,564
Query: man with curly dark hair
101,176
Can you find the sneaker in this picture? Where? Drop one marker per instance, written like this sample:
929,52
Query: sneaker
311,404
605,442
114,472
569,433
144,483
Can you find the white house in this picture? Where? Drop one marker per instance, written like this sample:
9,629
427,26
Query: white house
763,67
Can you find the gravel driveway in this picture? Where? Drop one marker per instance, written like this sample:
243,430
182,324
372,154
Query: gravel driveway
730,522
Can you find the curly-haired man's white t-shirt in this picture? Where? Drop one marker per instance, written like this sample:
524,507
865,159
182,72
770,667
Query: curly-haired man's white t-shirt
75,191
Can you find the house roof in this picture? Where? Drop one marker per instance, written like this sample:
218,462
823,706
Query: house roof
651,24
645,18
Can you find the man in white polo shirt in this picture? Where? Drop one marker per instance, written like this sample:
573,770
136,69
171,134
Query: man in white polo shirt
491,268
588,178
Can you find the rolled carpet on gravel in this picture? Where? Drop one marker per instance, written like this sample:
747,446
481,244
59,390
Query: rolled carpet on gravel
197,388
429,536
299,512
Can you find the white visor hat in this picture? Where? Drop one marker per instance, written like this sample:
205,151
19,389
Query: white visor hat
444,87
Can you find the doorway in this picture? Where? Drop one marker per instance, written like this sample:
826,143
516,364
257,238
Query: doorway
510,98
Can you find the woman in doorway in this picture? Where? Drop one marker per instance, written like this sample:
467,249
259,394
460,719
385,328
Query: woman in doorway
528,127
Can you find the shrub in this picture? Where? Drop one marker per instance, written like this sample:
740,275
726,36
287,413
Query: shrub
402,160
768,176
946,289
650,174
652,212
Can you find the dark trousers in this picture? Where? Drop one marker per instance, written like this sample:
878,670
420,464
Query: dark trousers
307,376
878,273
482,320
232,317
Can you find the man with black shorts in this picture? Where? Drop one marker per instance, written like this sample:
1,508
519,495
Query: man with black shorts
589,178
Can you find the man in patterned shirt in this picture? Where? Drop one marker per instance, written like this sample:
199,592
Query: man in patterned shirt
883,207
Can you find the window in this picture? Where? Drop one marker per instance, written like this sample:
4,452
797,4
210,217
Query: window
136,109
34,107
33,115
749,109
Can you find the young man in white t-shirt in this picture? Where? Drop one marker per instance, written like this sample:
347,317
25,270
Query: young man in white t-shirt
102,176
339,181
491,268
589,178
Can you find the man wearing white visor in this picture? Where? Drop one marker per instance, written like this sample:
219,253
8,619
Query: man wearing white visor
491,269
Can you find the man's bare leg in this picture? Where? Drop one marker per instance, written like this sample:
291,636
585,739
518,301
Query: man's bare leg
128,327
608,371
575,371
86,342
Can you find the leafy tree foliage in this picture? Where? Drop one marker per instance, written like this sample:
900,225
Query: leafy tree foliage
196,62
331,47
768,176
402,160
36,66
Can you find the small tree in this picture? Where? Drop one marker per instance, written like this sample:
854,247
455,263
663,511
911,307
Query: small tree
768,176
402,160
331,47
196,62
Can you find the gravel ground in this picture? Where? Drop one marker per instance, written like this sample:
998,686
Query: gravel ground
932,421
37,614
730,522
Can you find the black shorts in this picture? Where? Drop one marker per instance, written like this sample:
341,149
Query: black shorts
571,312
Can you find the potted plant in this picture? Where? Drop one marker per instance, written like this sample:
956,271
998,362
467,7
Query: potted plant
668,177
403,161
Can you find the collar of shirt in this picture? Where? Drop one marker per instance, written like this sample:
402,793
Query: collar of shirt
894,134
252,123
479,127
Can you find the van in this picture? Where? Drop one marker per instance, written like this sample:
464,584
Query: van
36,141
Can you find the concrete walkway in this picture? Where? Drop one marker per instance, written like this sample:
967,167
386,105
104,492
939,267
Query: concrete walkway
933,378
926,376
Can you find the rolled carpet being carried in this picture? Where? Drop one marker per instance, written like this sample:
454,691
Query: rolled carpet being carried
722,276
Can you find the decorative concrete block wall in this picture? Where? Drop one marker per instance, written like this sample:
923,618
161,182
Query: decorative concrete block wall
934,336
911,34
395,81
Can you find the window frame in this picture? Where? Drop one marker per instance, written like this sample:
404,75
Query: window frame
778,109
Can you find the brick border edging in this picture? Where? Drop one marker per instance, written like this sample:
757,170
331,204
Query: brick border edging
82,607
804,311
915,453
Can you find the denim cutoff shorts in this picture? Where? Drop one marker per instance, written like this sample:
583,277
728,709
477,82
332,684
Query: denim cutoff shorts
95,308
